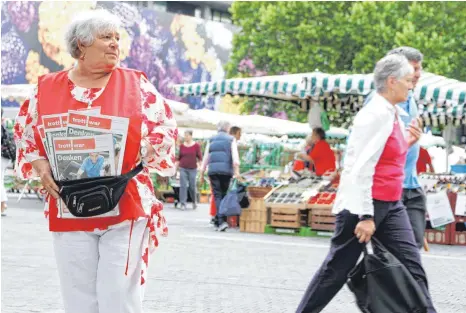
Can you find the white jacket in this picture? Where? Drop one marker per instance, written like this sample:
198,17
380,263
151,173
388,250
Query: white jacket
371,129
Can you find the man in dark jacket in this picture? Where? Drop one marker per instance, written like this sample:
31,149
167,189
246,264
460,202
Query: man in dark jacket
222,159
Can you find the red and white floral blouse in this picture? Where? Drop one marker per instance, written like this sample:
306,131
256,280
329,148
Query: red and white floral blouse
158,128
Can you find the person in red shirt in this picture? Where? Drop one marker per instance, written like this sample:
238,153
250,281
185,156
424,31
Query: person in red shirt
424,160
321,156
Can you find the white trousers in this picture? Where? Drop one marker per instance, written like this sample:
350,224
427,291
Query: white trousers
91,267
3,195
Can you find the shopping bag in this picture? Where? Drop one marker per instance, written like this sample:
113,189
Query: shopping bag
382,284
242,195
230,205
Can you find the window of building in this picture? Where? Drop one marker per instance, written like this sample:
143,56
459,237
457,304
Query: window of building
155,5
219,16
158,5
181,8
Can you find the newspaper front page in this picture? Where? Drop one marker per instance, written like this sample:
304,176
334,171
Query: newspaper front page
84,157
83,124
54,126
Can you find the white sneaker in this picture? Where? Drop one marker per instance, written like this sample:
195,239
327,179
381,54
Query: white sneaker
223,226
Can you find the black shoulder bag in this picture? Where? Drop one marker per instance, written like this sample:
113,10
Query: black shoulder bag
382,284
95,196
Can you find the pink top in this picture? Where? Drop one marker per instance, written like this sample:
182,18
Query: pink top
389,172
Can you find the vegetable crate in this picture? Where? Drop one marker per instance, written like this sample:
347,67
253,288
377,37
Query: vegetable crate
321,218
254,218
288,215
258,192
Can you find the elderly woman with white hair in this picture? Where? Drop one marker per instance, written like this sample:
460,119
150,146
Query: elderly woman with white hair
102,261
222,159
368,201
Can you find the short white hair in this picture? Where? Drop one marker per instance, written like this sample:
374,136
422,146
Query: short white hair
394,65
223,126
87,26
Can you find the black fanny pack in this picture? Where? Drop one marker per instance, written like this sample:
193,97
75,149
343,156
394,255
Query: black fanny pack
95,196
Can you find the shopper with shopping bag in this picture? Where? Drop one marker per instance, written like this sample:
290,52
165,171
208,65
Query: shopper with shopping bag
368,201
381,283
221,159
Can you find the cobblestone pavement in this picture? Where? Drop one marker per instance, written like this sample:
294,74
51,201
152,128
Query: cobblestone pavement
199,270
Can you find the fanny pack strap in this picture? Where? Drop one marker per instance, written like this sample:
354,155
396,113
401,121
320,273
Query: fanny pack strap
133,172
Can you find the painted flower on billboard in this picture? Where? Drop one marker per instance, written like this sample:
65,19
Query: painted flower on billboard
170,49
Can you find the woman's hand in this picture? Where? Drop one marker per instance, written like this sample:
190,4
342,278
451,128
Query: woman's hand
364,230
414,133
42,168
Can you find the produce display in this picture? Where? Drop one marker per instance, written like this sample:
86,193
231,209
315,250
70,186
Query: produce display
327,195
297,192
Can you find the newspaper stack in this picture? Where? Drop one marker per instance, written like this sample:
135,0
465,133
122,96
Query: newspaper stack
84,144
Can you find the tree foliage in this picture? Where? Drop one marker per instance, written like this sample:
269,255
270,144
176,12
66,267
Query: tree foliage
345,37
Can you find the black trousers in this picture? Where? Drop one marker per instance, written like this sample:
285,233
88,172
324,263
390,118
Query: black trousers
219,184
415,202
393,229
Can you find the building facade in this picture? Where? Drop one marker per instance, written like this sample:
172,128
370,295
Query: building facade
172,42
216,11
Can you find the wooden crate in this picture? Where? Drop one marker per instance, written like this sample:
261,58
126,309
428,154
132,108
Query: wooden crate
253,215
251,226
256,204
321,218
254,218
258,192
286,217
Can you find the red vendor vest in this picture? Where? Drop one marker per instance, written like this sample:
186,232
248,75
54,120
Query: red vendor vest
121,97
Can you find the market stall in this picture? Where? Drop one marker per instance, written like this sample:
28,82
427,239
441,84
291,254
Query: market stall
446,208
441,102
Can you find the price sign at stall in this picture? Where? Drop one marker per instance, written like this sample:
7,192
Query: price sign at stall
439,209
461,205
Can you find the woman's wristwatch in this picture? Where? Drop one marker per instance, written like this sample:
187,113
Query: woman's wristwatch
365,217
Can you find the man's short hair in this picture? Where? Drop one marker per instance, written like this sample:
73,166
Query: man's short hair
190,132
412,54
234,130
223,126
319,132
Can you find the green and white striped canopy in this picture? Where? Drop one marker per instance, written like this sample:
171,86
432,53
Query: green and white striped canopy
436,89
285,87
431,89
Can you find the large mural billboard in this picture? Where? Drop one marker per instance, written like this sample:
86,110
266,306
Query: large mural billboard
170,49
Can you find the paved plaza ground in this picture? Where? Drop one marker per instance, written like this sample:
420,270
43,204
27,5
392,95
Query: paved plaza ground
199,270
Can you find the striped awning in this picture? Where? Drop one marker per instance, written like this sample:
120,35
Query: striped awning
431,89
436,89
284,87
